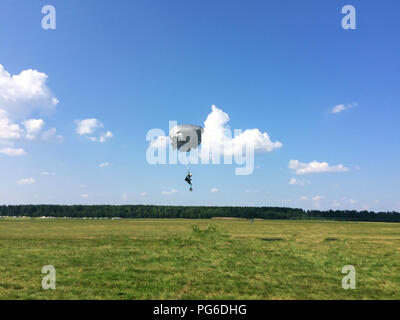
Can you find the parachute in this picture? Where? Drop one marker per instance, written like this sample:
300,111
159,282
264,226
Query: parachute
185,137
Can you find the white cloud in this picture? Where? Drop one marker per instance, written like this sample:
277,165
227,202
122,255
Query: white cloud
20,95
217,136
13,151
314,167
9,130
338,108
26,181
214,190
303,198
105,136
85,195
341,107
87,127
170,192
104,164
33,127
23,93
143,194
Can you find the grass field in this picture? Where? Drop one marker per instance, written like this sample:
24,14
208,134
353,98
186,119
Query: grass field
198,259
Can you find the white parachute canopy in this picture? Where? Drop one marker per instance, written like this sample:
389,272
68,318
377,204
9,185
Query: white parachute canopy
185,137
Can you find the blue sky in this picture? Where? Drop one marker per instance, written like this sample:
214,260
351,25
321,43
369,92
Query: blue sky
278,66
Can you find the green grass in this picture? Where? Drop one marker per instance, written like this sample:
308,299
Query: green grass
198,259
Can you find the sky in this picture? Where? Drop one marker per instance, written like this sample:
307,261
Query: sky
321,102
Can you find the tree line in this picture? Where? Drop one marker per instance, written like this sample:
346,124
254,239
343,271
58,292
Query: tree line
188,212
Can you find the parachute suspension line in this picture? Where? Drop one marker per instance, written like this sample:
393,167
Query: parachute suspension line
177,135
187,166
189,177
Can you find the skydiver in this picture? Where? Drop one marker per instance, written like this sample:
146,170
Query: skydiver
188,179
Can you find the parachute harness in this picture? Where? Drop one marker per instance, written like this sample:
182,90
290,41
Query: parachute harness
188,179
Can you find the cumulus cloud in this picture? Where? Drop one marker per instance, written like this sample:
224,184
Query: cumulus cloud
84,195
20,95
13,151
26,181
341,107
303,198
105,136
23,93
169,192
87,127
314,167
214,190
30,130
8,130
33,127
216,140
143,194
218,136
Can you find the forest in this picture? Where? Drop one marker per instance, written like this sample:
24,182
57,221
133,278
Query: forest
192,212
